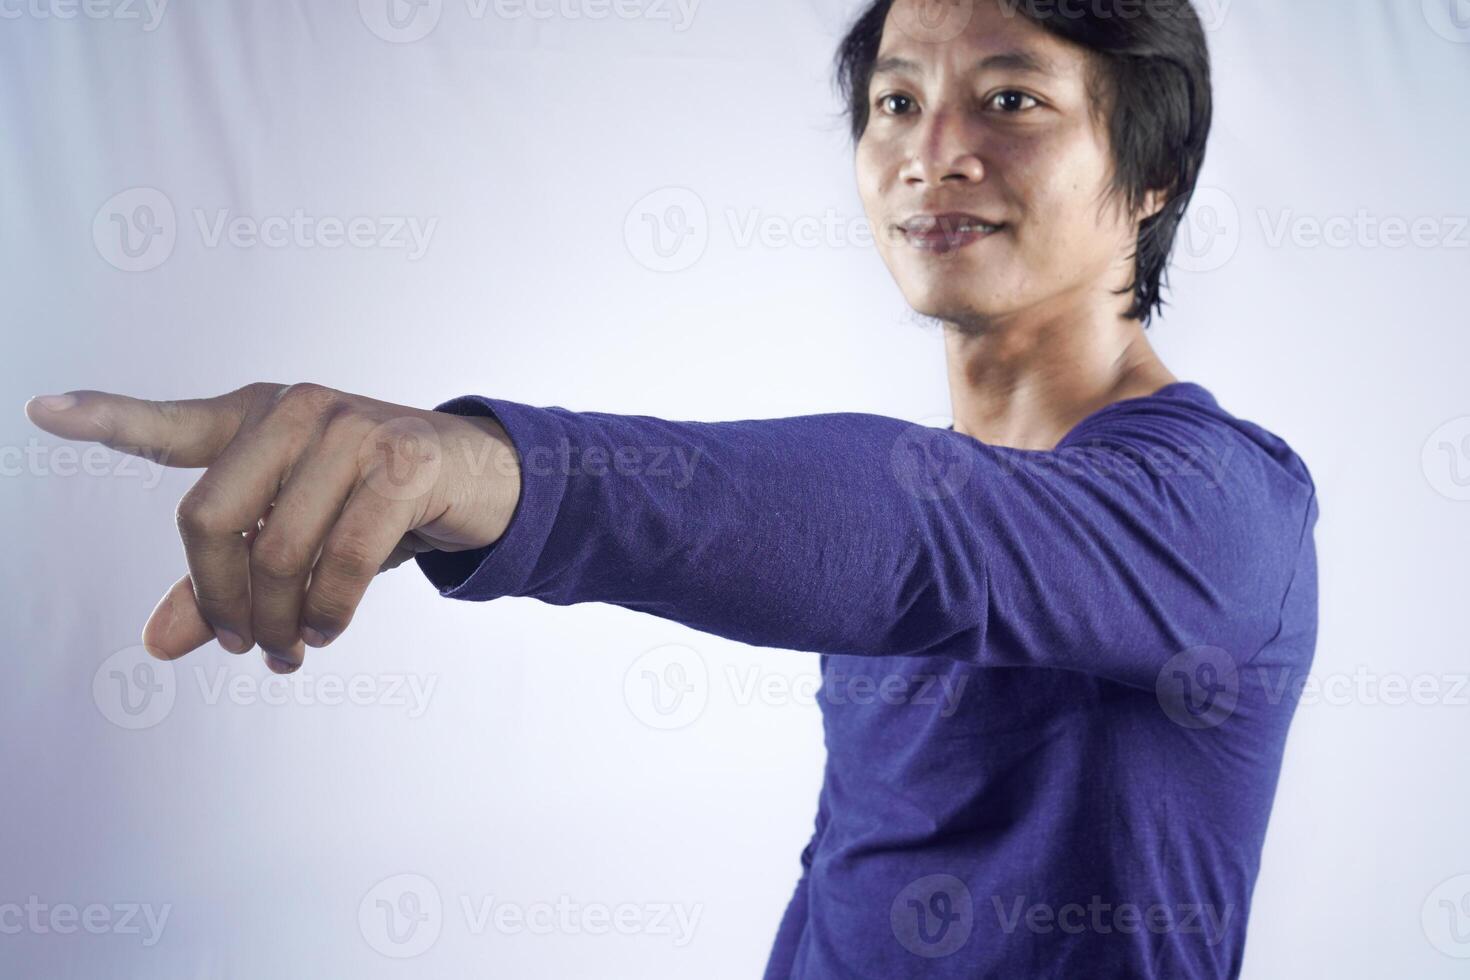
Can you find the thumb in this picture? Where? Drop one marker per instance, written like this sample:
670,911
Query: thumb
176,625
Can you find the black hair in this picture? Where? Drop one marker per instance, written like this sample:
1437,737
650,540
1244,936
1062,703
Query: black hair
1150,76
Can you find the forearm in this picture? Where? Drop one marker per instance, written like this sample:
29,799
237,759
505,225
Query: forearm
794,533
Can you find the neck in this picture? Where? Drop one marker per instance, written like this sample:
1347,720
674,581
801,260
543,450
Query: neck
1026,384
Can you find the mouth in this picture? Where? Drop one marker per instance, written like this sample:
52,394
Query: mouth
947,232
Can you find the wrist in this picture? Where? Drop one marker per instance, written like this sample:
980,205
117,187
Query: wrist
495,475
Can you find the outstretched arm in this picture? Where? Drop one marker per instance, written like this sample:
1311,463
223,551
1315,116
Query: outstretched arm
1155,527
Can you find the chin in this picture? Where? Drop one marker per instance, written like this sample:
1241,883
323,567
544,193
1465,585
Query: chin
954,301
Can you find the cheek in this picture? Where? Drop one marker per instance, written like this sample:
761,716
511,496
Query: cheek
1058,183
871,167
876,173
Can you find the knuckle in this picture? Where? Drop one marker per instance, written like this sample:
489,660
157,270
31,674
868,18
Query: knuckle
258,391
309,397
275,558
174,417
344,426
350,559
273,636
329,611
217,606
202,511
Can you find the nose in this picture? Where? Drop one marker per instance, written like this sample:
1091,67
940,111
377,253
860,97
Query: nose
942,151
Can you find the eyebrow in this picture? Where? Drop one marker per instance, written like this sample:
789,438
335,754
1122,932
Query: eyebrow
1024,61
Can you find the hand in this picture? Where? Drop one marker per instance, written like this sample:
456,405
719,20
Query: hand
307,494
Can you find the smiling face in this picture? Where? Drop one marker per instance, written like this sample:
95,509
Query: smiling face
998,123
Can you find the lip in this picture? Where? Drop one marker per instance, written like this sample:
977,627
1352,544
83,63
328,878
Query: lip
942,232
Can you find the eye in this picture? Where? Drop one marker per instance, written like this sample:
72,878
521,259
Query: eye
1013,102
887,101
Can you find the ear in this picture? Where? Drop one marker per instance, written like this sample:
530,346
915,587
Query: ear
1153,203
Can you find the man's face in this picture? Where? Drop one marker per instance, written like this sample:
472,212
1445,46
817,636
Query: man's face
995,122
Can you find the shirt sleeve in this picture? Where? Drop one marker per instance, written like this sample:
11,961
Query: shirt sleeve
1155,526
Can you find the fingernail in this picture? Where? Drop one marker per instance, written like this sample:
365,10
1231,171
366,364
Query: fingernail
278,665
313,637
232,642
55,403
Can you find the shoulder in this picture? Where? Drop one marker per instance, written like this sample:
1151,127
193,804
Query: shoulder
1239,490
1184,422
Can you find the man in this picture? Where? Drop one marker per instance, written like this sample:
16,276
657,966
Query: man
1114,576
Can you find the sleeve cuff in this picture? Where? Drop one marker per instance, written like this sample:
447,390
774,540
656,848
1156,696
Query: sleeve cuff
509,565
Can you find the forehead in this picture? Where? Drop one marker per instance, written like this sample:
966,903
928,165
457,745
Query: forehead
921,35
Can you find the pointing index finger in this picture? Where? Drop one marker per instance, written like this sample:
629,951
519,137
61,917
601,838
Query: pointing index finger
188,433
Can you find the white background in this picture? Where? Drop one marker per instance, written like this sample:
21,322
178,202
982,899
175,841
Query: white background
265,819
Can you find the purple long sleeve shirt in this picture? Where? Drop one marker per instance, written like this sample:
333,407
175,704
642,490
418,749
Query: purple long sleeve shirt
1056,685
